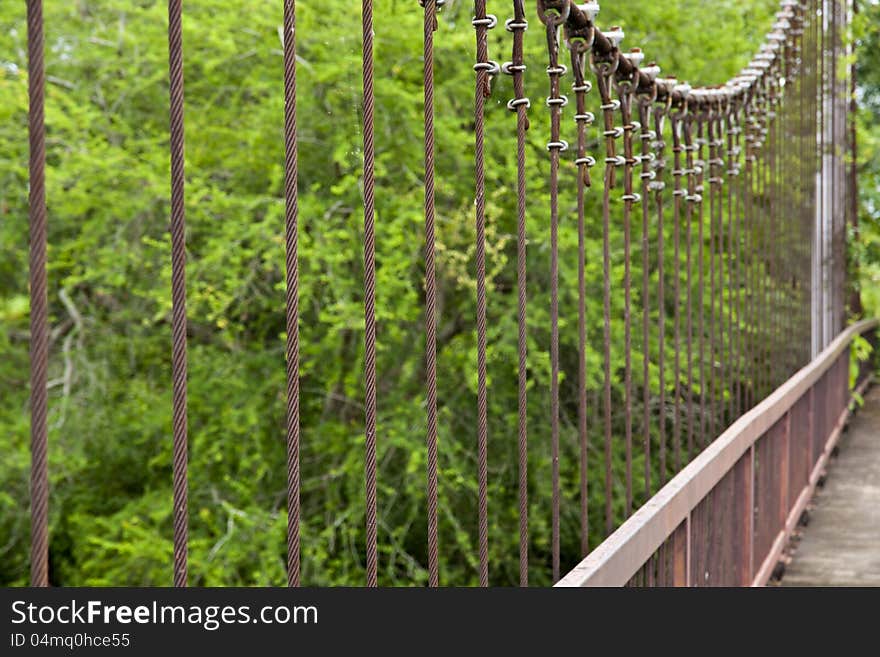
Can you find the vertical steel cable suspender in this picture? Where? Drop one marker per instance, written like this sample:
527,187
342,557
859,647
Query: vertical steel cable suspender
701,261
732,275
745,226
807,228
604,71
763,251
579,43
369,294
734,191
624,94
758,245
657,185
818,232
690,197
725,280
749,250
834,91
741,324
779,200
645,175
677,194
39,304
775,206
779,197
430,25
718,416
553,20
482,23
520,105
856,309
793,284
790,288
292,316
804,316
717,180
711,387
178,290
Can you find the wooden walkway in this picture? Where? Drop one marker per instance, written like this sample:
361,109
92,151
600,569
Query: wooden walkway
841,544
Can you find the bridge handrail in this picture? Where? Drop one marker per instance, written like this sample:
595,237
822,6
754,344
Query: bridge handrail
615,561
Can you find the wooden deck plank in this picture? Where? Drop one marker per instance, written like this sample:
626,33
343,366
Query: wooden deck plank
841,544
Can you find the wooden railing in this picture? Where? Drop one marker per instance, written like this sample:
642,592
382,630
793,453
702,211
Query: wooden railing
725,518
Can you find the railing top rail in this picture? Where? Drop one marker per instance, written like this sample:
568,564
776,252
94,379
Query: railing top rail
618,558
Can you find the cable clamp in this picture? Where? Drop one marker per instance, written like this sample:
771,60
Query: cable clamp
587,117
591,9
559,69
513,103
491,67
632,198
615,132
488,22
615,36
560,145
562,101
616,161
511,25
509,68
586,160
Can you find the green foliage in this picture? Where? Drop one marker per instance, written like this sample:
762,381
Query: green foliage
110,279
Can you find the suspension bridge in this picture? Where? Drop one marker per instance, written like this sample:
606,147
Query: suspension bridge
730,330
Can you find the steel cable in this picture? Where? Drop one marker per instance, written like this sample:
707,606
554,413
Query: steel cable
555,102
369,294
430,25
178,292
39,304
520,105
481,23
291,214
